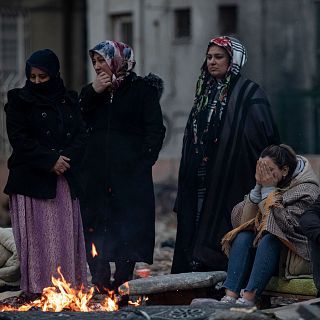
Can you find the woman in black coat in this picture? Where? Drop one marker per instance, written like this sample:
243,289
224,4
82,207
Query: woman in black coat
126,131
47,135
310,225
229,125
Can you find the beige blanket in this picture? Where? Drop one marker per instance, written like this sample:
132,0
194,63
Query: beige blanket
9,262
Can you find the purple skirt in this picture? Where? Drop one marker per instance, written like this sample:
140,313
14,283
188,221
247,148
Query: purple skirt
48,233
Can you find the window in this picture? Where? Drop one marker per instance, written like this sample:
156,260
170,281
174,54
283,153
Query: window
122,26
182,23
228,19
12,42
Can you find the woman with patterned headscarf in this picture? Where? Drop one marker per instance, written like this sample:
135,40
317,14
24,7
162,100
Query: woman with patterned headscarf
125,127
229,125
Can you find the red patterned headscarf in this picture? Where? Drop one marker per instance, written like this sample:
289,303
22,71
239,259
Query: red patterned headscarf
206,82
235,49
119,57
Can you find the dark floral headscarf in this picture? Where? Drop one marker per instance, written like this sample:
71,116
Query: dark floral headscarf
119,57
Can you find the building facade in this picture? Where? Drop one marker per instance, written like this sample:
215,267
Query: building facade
169,38
29,25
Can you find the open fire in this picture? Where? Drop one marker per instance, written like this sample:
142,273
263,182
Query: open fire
61,297
94,251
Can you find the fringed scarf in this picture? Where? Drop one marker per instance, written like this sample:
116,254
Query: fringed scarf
206,84
119,57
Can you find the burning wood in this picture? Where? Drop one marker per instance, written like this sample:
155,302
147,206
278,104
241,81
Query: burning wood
61,297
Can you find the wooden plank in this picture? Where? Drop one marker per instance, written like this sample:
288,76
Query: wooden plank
172,282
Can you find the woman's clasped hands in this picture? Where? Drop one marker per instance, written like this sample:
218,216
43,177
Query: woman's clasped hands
61,165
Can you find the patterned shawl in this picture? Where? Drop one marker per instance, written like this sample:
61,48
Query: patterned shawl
119,57
206,83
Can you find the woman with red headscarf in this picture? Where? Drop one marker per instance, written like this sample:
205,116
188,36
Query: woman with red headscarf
229,125
125,127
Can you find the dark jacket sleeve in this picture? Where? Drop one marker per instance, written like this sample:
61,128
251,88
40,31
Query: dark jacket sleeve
262,128
310,222
76,149
21,138
89,99
153,126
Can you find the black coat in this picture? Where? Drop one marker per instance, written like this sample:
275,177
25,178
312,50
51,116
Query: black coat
248,127
40,130
310,222
310,225
125,137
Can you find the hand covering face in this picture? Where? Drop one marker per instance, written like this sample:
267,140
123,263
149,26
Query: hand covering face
119,57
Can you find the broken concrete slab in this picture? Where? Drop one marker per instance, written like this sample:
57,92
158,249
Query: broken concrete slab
172,282
309,310
145,313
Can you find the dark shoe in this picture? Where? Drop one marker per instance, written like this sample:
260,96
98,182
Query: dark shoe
123,301
102,288
29,296
23,298
9,288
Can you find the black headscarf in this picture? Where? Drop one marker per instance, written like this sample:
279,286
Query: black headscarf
47,61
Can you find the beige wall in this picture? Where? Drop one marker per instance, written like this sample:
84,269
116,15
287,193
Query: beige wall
47,27
280,37
50,26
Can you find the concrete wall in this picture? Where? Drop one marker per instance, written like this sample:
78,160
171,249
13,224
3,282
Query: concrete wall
60,26
55,24
280,37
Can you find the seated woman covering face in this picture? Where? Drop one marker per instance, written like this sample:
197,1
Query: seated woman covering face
266,221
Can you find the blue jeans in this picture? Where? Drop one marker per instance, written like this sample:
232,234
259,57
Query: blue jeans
251,268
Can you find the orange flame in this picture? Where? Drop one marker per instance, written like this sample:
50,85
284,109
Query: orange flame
110,302
94,251
63,297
